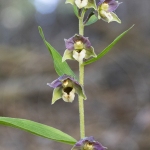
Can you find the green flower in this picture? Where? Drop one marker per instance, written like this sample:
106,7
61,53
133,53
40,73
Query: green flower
78,48
65,87
105,10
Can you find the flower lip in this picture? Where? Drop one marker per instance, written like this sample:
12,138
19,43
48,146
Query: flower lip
67,90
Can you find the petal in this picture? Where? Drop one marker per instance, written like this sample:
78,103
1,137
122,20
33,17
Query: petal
64,77
90,53
79,56
81,3
87,43
83,39
115,18
80,91
67,55
90,139
99,146
106,16
57,94
113,5
100,2
69,43
55,83
79,145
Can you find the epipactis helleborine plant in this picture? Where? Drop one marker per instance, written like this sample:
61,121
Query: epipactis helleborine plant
65,87
106,8
88,143
83,3
78,48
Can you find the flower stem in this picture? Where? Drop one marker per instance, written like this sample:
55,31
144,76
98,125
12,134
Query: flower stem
81,25
81,81
81,103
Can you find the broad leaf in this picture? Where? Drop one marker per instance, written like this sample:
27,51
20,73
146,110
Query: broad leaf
107,49
38,129
60,67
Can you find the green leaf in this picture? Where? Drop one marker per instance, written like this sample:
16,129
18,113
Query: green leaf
75,9
60,67
38,129
107,49
91,20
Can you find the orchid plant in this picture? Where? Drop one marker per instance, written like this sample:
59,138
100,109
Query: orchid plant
80,49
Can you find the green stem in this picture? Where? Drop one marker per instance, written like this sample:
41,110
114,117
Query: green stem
81,25
81,102
81,81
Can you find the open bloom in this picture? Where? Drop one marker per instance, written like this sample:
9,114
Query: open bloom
83,3
106,8
65,87
78,48
88,143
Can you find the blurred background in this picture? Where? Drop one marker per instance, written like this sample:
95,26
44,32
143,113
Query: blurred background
117,112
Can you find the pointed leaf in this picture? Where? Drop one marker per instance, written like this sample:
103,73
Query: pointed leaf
38,129
60,67
107,49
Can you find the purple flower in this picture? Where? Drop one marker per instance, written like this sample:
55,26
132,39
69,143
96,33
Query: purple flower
105,10
65,87
78,48
88,143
